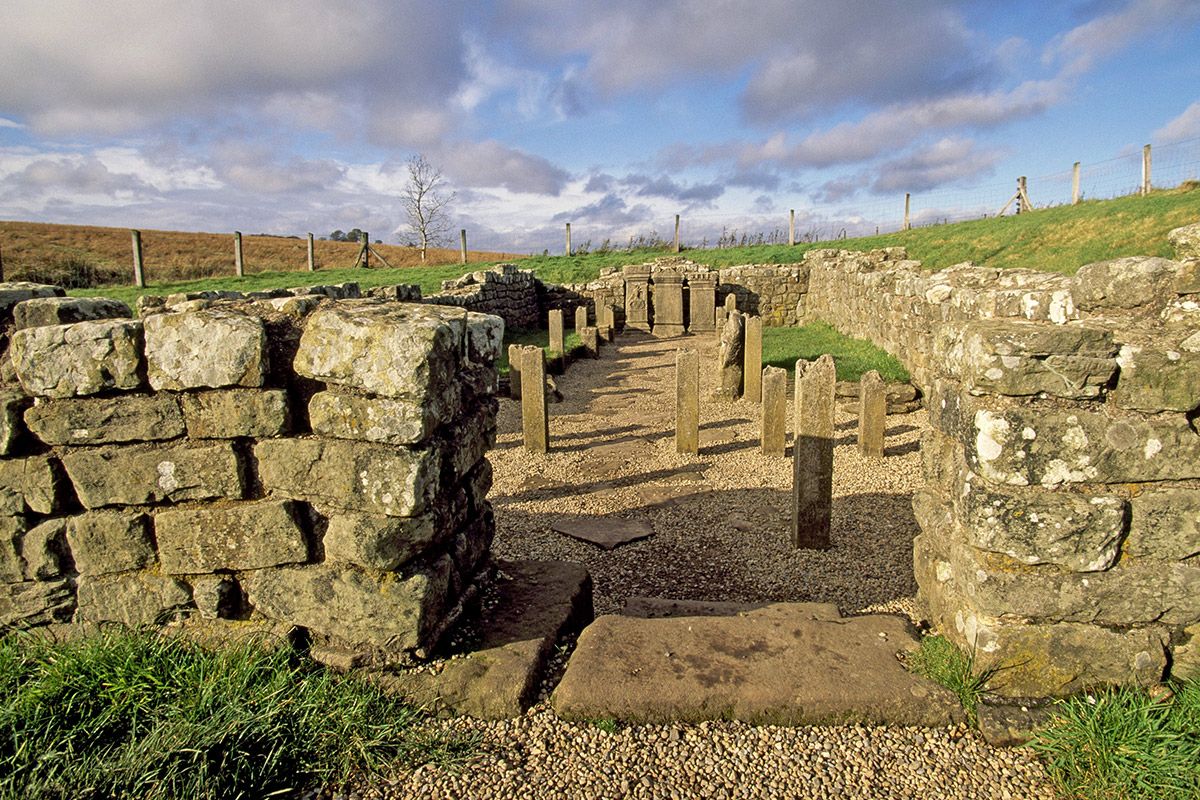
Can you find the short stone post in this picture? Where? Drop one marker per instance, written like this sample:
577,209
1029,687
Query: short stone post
872,414
139,275
687,402
590,336
774,411
557,338
729,357
238,265
462,246
730,302
610,317
812,453
753,355
581,318
720,314
534,419
312,255
515,351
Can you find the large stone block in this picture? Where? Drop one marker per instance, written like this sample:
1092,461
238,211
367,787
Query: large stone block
371,419
12,410
107,542
42,311
1034,526
1154,379
34,603
117,476
80,359
377,542
1016,357
357,476
386,610
43,550
236,413
464,445
1186,241
31,484
131,598
1165,524
1025,445
209,348
1123,283
232,537
14,292
12,529
105,420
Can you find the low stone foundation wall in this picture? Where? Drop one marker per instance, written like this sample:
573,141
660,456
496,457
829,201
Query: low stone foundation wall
297,461
505,291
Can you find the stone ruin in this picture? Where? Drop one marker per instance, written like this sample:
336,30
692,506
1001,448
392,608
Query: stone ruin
287,461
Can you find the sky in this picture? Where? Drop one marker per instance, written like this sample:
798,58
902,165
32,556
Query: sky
296,116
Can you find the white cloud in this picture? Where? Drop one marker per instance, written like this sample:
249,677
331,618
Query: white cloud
1185,126
1081,48
8,123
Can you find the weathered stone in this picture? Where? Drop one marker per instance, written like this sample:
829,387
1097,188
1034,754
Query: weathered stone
1185,658
581,318
12,410
812,453
472,438
371,419
31,484
131,598
872,415
752,370
1187,280
115,476
13,292
637,297
377,542
662,607
557,337
1155,379
730,357
387,610
1019,358
12,529
211,348
42,311
746,668
236,413
702,300
515,352
35,603
1165,524
105,542
687,401
105,420
1011,725
773,422
605,532
1022,446
356,476
240,536
43,550
589,337
1078,532
668,305
217,596
1123,283
80,359
1186,241
535,422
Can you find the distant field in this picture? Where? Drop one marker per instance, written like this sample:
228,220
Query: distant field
82,255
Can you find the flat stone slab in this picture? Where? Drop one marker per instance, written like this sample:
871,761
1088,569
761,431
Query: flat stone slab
607,532
538,602
782,664
662,607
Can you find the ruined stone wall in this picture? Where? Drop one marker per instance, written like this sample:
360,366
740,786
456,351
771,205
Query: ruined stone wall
774,292
291,461
504,291
1060,519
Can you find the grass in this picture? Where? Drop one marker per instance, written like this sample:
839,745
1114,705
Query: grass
135,714
1123,743
942,662
534,338
853,357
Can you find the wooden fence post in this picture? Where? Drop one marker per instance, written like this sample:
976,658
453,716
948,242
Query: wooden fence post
1146,170
239,266
1075,184
676,233
462,245
139,277
1023,204
907,208
366,250
792,226
312,255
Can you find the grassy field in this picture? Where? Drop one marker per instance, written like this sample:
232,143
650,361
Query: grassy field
853,357
534,338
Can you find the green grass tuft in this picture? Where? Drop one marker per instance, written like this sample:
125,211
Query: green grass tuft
135,714
1122,743
534,338
853,357
942,662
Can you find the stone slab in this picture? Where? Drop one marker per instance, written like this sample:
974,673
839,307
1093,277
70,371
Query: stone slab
43,311
775,665
105,420
210,348
120,475
239,536
607,532
663,607
80,359
236,413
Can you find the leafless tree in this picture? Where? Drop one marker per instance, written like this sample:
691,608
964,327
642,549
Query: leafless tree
425,202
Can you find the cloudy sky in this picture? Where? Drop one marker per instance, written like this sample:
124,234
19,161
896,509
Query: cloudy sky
286,117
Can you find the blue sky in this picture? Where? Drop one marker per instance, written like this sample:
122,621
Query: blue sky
286,117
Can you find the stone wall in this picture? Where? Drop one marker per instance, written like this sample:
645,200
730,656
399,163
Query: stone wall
505,291
293,461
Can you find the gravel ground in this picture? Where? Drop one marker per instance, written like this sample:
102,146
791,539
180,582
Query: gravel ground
721,533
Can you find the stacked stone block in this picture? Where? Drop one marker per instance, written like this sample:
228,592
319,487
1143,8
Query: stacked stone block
187,466
504,291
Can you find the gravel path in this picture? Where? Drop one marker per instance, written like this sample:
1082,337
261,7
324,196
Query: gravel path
721,533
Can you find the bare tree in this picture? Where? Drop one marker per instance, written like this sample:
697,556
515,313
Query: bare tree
425,202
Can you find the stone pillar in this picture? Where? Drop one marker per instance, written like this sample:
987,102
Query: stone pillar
637,297
720,314
556,332
729,357
872,414
581,318
668,304
812,453
590,336
515,352
774,411
534,419
702,301
730,302
753,356
687,402
610,317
